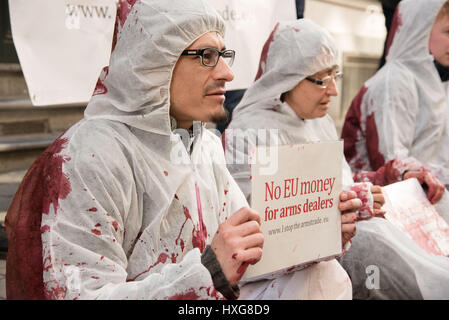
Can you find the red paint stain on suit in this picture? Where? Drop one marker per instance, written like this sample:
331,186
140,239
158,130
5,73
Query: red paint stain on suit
178,239
115,225
96,231
352,126
352,129
395,25
44,184
201,240
376,159
187,295
45,228
385,175
100,87
124,7
191,294
199,235
264,54
56,292
161,259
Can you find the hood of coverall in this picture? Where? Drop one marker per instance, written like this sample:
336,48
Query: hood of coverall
150,36
155,215
410,65
410,30
294,50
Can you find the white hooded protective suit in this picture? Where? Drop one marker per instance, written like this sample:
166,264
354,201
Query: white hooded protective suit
261,108
295,50
402,111
110,211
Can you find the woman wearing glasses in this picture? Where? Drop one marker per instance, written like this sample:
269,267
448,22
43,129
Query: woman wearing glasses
295,84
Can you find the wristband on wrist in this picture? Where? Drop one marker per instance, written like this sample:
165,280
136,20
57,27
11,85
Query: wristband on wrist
403,174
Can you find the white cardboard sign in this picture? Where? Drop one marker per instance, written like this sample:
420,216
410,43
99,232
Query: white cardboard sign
298,204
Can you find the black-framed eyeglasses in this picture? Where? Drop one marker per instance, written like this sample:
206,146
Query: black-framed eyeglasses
324,83
210,56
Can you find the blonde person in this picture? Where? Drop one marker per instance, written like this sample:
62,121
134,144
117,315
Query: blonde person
402,111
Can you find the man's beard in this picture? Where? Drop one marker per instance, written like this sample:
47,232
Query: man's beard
221,117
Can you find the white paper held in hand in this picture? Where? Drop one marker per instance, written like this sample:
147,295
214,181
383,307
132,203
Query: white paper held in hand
408,208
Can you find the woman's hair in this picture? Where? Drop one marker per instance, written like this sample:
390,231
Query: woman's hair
444,11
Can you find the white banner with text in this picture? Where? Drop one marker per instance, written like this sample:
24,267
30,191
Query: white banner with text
64,45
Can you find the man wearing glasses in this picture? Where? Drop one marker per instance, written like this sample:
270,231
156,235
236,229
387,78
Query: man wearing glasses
107,211
199,79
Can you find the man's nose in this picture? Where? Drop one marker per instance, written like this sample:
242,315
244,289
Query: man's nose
222,71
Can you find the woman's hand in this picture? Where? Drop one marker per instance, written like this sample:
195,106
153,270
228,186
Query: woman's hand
379,201
348,206
436,187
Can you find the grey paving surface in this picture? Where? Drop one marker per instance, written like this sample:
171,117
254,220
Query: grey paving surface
2,279
9,182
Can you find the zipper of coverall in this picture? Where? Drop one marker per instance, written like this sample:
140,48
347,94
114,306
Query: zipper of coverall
197,190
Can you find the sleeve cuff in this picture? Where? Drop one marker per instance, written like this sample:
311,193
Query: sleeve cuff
221,284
